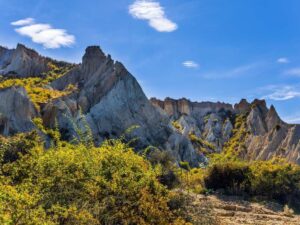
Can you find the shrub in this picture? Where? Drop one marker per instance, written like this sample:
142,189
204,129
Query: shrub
36,86
75,184
177,125
231,177
203,146
12,148
273,180
166,164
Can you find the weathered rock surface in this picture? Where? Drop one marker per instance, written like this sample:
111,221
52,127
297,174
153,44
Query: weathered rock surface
207,120
23,62
108,100
16,111
112,101
267,134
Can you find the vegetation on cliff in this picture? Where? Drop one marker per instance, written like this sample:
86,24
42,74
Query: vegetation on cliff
36,87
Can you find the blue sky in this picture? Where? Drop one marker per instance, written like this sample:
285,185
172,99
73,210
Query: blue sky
215,50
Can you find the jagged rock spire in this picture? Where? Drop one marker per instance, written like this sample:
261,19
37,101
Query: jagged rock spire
92,59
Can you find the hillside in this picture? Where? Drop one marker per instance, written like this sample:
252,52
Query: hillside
82,144
250,130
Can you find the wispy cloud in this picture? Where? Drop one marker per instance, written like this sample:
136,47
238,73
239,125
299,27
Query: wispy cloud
234,72
293,72
190,64
44,34
293,119
281,92
153,12
283,60
23,22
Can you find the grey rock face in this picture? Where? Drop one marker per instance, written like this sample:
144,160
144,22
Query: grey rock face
112,101
108,100
23,62
5,57
268,136
207,120
16,111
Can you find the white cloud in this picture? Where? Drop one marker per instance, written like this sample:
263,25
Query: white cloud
190,64
234,72
292,119
44,34
283,60
293,72
23,22
154,13
281,93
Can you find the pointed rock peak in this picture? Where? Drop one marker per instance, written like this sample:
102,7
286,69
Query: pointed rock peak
272,119
244,101
120,68
21,46
24,50
243,106
272,109
2,48
93,52
273,113
92,59
261,105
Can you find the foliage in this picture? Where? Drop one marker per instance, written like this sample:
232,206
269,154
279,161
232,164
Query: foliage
203,146
235,147
165,163
36,87
177,125
12,148
233,177
76,184
273,180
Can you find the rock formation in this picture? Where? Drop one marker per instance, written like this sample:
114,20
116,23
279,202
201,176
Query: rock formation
112,101
107,100
267,134
23,62
16,111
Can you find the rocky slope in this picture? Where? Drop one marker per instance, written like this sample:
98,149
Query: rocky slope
106,99
16,111
23,62
259,130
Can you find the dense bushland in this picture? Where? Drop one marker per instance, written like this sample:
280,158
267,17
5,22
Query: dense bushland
80,184
273,180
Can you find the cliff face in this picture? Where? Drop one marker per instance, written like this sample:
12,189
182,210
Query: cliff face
16,111
208,121
266,134
23,62
108,100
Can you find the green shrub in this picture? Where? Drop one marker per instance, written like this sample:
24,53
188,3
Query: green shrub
76,184
233,177
273,180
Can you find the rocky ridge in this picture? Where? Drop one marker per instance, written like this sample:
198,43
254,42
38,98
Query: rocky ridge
107,100
24,62
266,135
